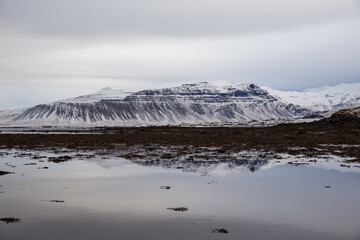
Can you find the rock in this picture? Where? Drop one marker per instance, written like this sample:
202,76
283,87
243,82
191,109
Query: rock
60,159
178,209
57,201
4,173
10,220
220,230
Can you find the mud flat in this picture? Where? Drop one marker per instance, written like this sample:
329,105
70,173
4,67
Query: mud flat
309,139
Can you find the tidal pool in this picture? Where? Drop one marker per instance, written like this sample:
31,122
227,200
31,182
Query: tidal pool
114,198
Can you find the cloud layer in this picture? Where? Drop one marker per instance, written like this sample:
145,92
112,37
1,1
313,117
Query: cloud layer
64,48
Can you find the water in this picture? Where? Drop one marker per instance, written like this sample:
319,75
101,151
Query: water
119,199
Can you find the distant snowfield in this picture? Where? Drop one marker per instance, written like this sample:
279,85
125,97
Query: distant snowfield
323,98
219,102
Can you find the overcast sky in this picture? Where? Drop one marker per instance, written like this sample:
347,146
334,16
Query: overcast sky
50,50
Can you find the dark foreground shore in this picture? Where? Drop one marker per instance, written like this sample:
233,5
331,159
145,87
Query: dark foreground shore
308,139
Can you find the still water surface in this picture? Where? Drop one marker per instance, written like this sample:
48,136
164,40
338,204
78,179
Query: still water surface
119,199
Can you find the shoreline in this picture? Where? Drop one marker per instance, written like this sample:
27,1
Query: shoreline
307,139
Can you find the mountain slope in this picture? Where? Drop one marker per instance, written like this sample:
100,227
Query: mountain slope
8,115
103,94
346,115
189,103
322,99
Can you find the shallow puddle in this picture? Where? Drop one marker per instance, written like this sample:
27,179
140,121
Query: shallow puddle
119,199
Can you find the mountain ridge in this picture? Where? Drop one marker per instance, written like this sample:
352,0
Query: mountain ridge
197,103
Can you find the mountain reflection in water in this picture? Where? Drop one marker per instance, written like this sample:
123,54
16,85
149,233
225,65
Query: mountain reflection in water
94,196
206,166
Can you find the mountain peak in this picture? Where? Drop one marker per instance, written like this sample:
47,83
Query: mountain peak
106,93
220,84
105,90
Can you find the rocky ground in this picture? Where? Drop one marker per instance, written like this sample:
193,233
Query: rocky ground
308,139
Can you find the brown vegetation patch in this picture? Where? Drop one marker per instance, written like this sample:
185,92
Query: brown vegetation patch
303,138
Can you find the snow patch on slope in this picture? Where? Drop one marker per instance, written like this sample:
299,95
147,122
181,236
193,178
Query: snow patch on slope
223,85
103,94
322,99
7,115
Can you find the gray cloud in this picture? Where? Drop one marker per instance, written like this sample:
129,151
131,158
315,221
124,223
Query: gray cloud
98,18
59,49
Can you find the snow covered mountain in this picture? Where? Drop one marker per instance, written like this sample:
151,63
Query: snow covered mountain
104,94
197,103
322,99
